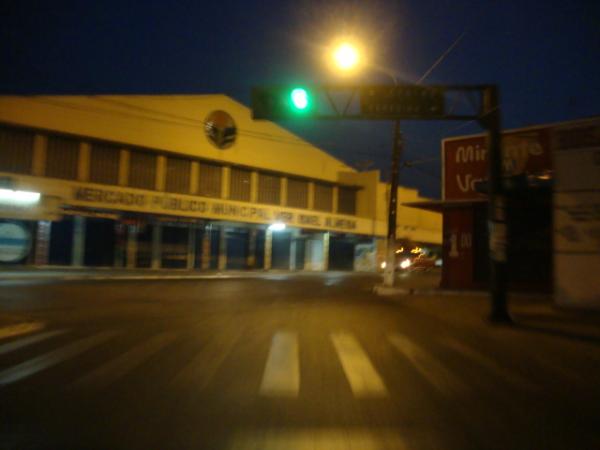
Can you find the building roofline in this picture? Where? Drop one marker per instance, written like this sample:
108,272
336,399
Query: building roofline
526,128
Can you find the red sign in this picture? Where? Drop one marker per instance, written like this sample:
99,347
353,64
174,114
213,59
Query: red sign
465,159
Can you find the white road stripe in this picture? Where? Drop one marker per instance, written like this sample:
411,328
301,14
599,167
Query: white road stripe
489,364
49,359
121,365
282,371
29,340
362,376
20,328
202,367
429,367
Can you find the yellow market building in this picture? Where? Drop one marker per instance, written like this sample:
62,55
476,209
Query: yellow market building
183,181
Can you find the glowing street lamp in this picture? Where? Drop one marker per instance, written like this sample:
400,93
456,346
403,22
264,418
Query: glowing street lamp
346,56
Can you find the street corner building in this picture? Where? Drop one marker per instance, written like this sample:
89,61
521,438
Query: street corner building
551,185
183,182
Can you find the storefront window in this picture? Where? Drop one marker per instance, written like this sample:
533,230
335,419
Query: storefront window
178,175
297,193
210,180
104,164
62,155
269,188
142,170
323,197
240,184
347,200
16,150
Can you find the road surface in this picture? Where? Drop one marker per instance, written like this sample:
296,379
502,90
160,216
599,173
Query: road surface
287,362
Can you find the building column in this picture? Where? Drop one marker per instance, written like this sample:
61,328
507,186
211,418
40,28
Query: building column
251,260
191,253
131,246
42,243
293,249
78,249
206,237
268,248
222,248
326,251
156,246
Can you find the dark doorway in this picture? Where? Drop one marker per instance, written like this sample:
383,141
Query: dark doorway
280,258
99,242
341,253
237,248
61,242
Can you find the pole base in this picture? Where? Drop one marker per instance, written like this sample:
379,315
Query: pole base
500,318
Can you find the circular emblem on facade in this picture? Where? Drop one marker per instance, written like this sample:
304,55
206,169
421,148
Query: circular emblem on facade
15,242
220,129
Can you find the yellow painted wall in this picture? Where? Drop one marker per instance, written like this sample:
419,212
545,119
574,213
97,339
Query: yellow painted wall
173,123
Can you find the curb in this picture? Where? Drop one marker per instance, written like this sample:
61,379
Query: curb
387,291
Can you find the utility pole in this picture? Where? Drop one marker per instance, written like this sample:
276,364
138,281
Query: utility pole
389,274
497,216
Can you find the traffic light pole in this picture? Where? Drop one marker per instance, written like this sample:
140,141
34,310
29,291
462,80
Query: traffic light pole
389,273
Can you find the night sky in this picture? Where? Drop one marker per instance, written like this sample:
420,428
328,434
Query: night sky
545,56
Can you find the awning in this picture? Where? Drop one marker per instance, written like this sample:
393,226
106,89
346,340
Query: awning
441,205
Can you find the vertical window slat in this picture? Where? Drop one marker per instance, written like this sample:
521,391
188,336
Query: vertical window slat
16,150
239,184
142,170
210,180
269,189
62,156
178,175
104,163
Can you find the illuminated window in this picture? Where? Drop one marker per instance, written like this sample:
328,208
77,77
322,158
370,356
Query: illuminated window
346,200
269,188
297,193
16,150
104,164
323,197
239,184
142,170
178,175
62,155
210,180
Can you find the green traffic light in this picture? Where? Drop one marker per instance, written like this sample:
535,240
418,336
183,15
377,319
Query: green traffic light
300,99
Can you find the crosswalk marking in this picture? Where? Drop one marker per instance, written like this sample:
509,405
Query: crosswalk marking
42,362
429,367
121,365
29,340
489,364
362,376
202,367
20,328
282,371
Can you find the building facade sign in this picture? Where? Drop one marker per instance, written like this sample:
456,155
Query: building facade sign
220,129
465,159
15,242
160,203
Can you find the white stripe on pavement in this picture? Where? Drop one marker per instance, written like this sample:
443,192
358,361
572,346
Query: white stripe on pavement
489,364
282,371
362,376
20,328
429,367
121,365
42,362
29,340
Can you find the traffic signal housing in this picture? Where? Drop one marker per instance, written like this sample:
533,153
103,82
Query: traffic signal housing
282,102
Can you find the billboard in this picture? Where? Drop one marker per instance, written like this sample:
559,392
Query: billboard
465,159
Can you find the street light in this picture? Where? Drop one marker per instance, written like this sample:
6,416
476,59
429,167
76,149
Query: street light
346,57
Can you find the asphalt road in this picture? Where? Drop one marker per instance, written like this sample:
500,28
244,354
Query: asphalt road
284,363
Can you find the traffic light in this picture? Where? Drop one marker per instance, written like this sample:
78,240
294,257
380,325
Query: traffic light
282,102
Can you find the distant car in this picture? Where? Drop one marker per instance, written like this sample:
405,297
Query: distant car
419,262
